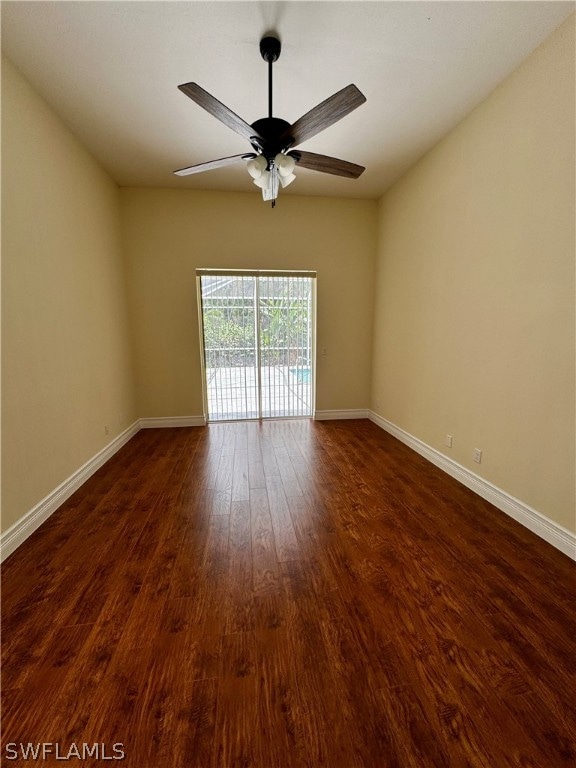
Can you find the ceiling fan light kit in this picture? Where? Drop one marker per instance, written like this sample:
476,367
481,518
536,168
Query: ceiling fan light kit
273,160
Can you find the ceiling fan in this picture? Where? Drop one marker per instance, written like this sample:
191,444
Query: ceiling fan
273,159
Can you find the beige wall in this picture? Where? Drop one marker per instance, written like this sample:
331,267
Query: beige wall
169,233
66,362
474,319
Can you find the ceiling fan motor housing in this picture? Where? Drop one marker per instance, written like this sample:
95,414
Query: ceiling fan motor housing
269,130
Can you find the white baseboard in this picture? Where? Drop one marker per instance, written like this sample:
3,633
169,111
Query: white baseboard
535,521
160,422
333,415
23,528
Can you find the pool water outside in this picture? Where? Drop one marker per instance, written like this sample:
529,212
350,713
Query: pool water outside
302,375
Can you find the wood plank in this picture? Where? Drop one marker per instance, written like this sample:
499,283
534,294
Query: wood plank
287,546
222,496
256,475
289,478
240,484
264,558
237,711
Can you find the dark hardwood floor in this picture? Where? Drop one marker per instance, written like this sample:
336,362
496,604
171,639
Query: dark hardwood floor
291,593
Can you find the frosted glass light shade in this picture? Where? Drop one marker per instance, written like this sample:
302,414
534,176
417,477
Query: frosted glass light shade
285,164
285,180
256,166
263,181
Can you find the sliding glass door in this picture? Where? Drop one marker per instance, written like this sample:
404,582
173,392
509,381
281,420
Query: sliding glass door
258,334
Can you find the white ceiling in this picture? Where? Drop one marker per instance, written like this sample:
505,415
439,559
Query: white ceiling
110,69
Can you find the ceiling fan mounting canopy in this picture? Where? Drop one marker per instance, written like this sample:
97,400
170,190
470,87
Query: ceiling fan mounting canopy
271,137
270,48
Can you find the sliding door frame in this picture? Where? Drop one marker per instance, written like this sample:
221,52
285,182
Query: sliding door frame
256,273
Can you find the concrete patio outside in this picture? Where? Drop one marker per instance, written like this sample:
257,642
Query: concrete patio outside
233,392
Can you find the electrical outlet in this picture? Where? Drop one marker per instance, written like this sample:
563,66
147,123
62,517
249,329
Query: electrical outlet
477,456
106,430
448,441
323,351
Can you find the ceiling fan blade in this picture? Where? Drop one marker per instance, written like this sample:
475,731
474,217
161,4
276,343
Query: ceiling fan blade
324,115
211,164
326,164
218,110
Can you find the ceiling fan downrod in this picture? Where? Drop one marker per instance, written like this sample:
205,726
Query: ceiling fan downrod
270,48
